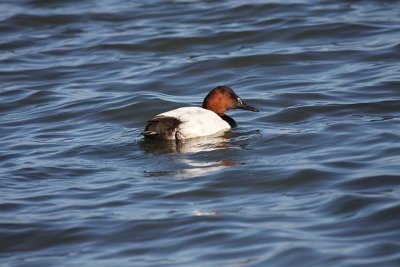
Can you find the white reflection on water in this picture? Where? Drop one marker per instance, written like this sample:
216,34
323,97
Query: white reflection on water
197,168
205,212
183,156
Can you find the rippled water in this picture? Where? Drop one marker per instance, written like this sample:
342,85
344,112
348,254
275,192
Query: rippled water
311,180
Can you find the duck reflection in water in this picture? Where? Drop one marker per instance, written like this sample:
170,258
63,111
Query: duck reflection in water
186,158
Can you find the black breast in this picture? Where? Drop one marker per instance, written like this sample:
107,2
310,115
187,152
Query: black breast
229,120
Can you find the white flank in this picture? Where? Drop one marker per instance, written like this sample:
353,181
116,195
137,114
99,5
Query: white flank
197,122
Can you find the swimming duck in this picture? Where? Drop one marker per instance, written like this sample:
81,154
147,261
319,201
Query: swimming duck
190,122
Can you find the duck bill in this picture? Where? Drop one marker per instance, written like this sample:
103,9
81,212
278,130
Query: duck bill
242,105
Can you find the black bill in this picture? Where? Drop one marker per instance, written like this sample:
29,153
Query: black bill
242,105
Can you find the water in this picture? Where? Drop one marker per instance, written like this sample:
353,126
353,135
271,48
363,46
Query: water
311,180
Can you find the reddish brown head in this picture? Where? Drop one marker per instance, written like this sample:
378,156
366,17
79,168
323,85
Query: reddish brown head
222,98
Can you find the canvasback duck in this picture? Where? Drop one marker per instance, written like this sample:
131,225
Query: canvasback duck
190,122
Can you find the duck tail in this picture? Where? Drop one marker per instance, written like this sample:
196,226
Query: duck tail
161,127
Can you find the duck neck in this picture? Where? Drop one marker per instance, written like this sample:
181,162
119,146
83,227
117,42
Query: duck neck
229,120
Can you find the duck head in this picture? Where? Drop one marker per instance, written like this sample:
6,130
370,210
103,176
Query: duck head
222,98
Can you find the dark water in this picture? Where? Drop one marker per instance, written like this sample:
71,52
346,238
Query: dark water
311,180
